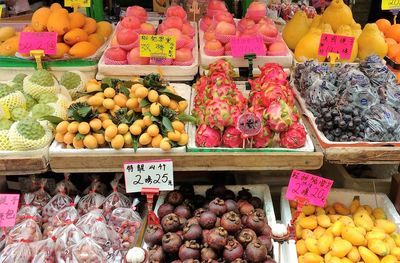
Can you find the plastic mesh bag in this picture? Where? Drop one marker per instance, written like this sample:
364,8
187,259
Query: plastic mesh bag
70,188
378,73
17,252
92,200
86,221
41,196
320,94
28,230
115,199
88,251
101,187
67,237
58,202
106,237
43,251
28,210
382,122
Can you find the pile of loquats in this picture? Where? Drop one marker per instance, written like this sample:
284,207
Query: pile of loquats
126,114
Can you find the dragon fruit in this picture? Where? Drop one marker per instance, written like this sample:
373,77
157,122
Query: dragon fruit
221,65
232,138
218,113
280,116
263,139
207,136
294,137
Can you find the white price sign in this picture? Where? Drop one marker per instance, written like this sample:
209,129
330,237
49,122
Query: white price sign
149,174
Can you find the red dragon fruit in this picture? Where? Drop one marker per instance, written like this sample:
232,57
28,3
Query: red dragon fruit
279,116
221,65
207,136
263,139
232,138
272,71
218,113
294,137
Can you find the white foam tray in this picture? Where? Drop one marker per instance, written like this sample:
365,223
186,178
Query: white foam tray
308,147
59,149
205,60
170,72
338,195
259,190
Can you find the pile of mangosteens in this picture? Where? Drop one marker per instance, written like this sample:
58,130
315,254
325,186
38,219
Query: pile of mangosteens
220,227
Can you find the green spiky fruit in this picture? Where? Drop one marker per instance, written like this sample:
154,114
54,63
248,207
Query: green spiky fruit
19,78
11,98
40,82
47,98
5,144
70,80
40,110
4,112
19,114
5,124
29,134
17,86
30,102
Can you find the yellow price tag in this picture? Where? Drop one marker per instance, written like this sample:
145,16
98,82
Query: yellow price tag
390,4
157,46
1,11
80,3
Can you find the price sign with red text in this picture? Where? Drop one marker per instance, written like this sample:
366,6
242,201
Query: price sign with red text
314,189
149,174
46,41
390,4
330,43
242,46
249,124
8,209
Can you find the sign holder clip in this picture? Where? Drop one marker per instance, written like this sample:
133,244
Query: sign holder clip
150,192
332,58
38,54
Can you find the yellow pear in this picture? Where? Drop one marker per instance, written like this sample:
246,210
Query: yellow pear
295,29
371,42
337,14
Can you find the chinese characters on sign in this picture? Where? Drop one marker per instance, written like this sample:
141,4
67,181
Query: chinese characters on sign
46,41
242,46
8,209
80,3
342,45
310,187
249,124
390,4
157,46
149,174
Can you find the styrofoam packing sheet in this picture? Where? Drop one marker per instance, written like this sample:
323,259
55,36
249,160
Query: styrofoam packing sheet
259,190
344,196
308,147
60,150
205,60
169,72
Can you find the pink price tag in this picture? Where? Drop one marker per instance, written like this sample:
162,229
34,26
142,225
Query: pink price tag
342,45
312,188
8,209
46,41
242,46
249,124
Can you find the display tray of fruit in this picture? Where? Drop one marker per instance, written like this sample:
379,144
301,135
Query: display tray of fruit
352,227
122,57
218,27
145,116
217,103
350,105
235,225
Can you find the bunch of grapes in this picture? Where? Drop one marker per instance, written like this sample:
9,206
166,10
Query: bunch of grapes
341,123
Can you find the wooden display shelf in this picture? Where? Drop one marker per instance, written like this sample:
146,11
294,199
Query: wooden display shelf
22,165
192,161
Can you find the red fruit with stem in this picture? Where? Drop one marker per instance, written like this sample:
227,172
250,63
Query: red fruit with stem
232,138
294,137
207,136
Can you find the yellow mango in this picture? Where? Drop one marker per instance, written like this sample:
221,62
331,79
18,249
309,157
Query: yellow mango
6,32
298,229
58,22
318,232
389,259
301,247
355,203
312,245
354,255
324,220
337,228
346,260
386,225
389,241
334,218
328,256
368,209
306,233
309,222
334,260
40,18
378,247
312,258
341,209
308,210
363,219
367,255
346,220
375,235
395,252
340,248
320,211
301,259
74,36
396,238
361,230
295,29
82,50
352,235
378,213
330,211
325,242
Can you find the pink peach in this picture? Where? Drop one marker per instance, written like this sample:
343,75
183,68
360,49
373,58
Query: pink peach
213,45
187,29
115,55
147,28
245,23
224,16
206,23
176,11
114,42
266,20
217,5
137,11
173,32
268,30
127,36
256,11
131,22
173,22
209,35
277,47
250,31
224,28
183,55
134,57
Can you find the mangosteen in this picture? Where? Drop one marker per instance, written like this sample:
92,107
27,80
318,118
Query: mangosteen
245,208
204,235
231,205
190,249
219,190
256,252
244,194
217,238
174,198
187,189
266,231
267,242
153,235
269,260
255,221
192,232
156,254
198,212
246,236
255,202
233,250
217,206
229,194
191,260
199,200
189,203
239,260
170,223
171,242
165,209
182,211
207,220
208,253
231,222
192,220
209,261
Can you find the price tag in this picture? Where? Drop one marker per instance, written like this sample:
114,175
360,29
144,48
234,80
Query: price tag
80,3
249,124
1,11
312,188
342,45
149,174
46,41
390,4
157,46
242,46
8,209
